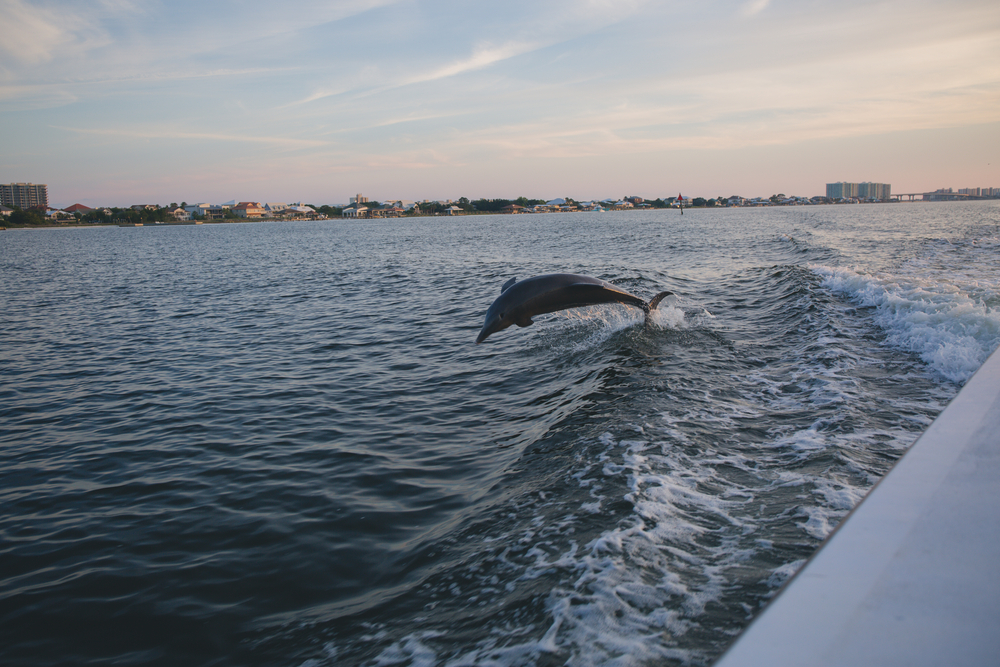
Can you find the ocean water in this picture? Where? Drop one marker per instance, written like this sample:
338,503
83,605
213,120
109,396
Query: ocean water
277,443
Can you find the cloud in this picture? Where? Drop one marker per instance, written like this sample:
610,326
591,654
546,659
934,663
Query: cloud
913,84
44,31
754,7
96,41
25,98
483,56
31,33
173,134
526,27
401,120
63,93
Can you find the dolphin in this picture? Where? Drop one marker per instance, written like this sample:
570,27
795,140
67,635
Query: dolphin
520,301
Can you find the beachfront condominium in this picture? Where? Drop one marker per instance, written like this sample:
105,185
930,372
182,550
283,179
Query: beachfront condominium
880,191
865,190
24,195
842,190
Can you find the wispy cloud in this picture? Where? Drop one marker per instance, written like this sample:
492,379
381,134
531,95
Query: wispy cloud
754,7
173,134
484,55
936,84
34,33
22,98
544,26
396,121
63,93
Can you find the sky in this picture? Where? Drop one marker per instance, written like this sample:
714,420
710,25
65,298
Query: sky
120,102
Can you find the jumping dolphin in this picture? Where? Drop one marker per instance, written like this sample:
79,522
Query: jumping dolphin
520,301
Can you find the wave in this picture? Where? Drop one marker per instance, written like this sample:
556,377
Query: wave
942,307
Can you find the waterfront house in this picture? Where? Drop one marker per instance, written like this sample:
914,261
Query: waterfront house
513,208
198,210
249,209
356,211
207,211
384,212
300,211
218,212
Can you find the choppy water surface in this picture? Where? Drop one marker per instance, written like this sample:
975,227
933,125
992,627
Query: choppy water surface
277,444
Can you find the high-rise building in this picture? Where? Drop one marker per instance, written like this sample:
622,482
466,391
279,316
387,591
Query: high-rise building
841,190
874,190
24,195
866,190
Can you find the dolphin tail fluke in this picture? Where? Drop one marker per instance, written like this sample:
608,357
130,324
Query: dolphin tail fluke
654,302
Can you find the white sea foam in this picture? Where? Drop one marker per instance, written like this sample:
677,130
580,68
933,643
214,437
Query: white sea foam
582,329
627,593
410,651
942,306
649,578
669,316
784,573
616,318
626,597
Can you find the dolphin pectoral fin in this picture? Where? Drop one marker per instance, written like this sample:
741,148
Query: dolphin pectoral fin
524,322
655,301
507,285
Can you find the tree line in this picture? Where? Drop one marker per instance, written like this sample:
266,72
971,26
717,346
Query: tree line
36,217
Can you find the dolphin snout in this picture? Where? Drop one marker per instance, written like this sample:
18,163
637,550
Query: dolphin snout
492,325
487,330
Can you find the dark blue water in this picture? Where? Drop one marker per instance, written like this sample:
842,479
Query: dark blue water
278,444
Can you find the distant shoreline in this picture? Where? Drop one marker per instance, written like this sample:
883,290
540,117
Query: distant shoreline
73,225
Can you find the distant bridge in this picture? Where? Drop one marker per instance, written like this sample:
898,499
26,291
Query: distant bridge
941,195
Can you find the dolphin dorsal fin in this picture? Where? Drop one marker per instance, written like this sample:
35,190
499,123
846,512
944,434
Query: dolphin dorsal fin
507,285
